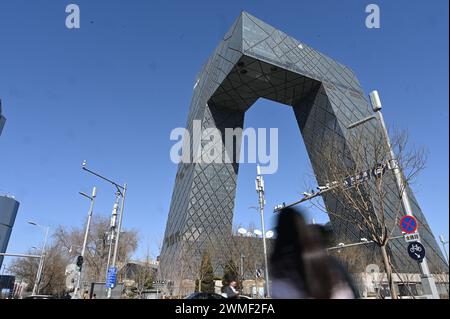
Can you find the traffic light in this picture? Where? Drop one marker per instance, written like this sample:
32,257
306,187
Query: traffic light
79,262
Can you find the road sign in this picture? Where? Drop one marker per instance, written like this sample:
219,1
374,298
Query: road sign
412,237
408,224
416,251
379,170
258,273
375,172
111,278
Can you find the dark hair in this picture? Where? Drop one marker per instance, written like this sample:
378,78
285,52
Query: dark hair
299,254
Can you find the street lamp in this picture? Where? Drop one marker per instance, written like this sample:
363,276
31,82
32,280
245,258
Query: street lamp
444,242
427,280
115,230
41,259
83,249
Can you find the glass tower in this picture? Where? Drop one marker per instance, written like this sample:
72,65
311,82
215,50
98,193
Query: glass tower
255,60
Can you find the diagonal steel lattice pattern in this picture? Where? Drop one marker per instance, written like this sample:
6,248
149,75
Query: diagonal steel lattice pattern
254,61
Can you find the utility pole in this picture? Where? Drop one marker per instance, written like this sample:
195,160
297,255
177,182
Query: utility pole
114,228
260,190
112,236
119,227
428,283
41,259
83,249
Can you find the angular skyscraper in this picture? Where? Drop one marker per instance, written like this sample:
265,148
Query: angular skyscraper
2,118
254,61
8,212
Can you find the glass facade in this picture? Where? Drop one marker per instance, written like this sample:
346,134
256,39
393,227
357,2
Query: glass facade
253,61
2,119
8,211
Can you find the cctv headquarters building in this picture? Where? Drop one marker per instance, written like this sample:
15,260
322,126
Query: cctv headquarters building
254,60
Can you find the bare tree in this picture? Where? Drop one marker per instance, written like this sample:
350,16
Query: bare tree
53,274
248,253
65,246
363,188
96,256
142,275
179,271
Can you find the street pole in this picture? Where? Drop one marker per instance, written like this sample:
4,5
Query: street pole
242,269
41,262
444,242
260,190
119,226
121,191
83,250
428,283
112,226
20,255
256,282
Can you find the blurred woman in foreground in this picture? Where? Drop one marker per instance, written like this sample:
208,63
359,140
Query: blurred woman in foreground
300,265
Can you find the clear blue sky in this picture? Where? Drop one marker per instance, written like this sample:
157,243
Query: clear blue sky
112,91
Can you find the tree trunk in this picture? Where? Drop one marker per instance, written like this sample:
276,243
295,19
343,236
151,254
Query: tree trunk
388,269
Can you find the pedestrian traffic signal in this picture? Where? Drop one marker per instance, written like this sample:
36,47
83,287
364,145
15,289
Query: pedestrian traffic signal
79,261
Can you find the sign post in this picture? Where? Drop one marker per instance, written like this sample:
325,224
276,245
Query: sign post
111,278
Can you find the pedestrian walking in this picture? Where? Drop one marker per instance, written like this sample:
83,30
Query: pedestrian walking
300,265
230,290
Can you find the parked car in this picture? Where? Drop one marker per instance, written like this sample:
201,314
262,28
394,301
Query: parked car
204,295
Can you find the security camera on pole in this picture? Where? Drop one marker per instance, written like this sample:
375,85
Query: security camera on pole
115,229
260,190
